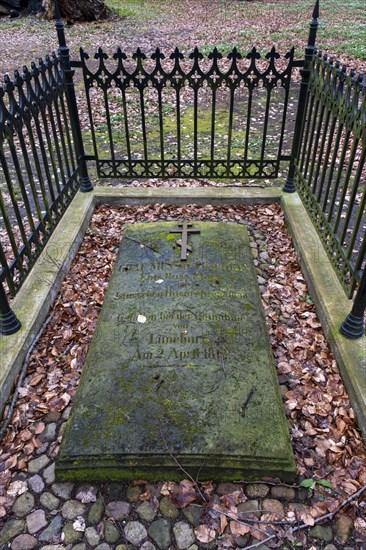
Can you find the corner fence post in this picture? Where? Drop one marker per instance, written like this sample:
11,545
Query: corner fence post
64,52
289,186
354,325
8,320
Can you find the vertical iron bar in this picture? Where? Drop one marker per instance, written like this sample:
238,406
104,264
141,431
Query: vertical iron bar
195,130
265,128
109,126
289,186
345,186
339,175
332,165
127,131
179,142
247,130
8,320
354,326
85,183
303,145
144,133
5,273
315,150
161,131
362,204
284,118
230,133
213,117
330,136
321,156
8,225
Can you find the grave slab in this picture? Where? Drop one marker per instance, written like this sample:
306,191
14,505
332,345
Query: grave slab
179,374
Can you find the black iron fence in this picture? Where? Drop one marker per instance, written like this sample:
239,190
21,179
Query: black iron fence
175,116
330,170
39,168
194,117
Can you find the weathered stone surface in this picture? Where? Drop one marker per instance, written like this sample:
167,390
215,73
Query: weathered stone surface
92,537
35,465
118,509
248,509
193,514
148,546
111,533
49,474
52,531
23,505
49,433
49,501
72,508
146,512
175,341
168,509
96,511
184,535
285,493
321,532
135,532
69,534
36,483
24,542
159,531
11,529
274,506
226,488
133,493
63,490
343,526
257,490
36,521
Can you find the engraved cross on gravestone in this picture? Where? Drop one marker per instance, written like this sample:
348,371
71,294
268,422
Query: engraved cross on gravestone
185,228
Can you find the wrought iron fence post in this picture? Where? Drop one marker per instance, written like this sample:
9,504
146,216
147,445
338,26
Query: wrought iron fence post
289,186
9,322
64,51
354,324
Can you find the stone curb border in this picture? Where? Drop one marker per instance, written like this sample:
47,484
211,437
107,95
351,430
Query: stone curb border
36,296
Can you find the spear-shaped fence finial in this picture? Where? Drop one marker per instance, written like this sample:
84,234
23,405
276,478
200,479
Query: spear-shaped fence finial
314,23
57,12
59,27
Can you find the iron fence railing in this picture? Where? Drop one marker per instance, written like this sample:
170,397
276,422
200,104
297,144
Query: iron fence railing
330,172
39,167
175,116
211,117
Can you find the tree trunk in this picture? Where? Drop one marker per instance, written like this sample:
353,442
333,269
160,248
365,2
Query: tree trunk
82,10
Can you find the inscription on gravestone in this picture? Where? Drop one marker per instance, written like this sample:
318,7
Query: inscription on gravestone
180,364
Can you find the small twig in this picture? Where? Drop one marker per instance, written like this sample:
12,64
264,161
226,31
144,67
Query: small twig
246,402
181,467
325,517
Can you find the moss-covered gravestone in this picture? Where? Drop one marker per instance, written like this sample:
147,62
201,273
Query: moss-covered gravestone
180,365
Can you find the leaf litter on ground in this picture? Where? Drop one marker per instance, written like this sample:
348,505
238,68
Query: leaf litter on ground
325,438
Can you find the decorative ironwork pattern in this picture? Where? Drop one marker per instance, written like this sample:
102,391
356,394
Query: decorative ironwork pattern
188,117
39,166
331,168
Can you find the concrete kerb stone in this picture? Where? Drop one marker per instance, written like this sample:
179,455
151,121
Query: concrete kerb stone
330,301
40,289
